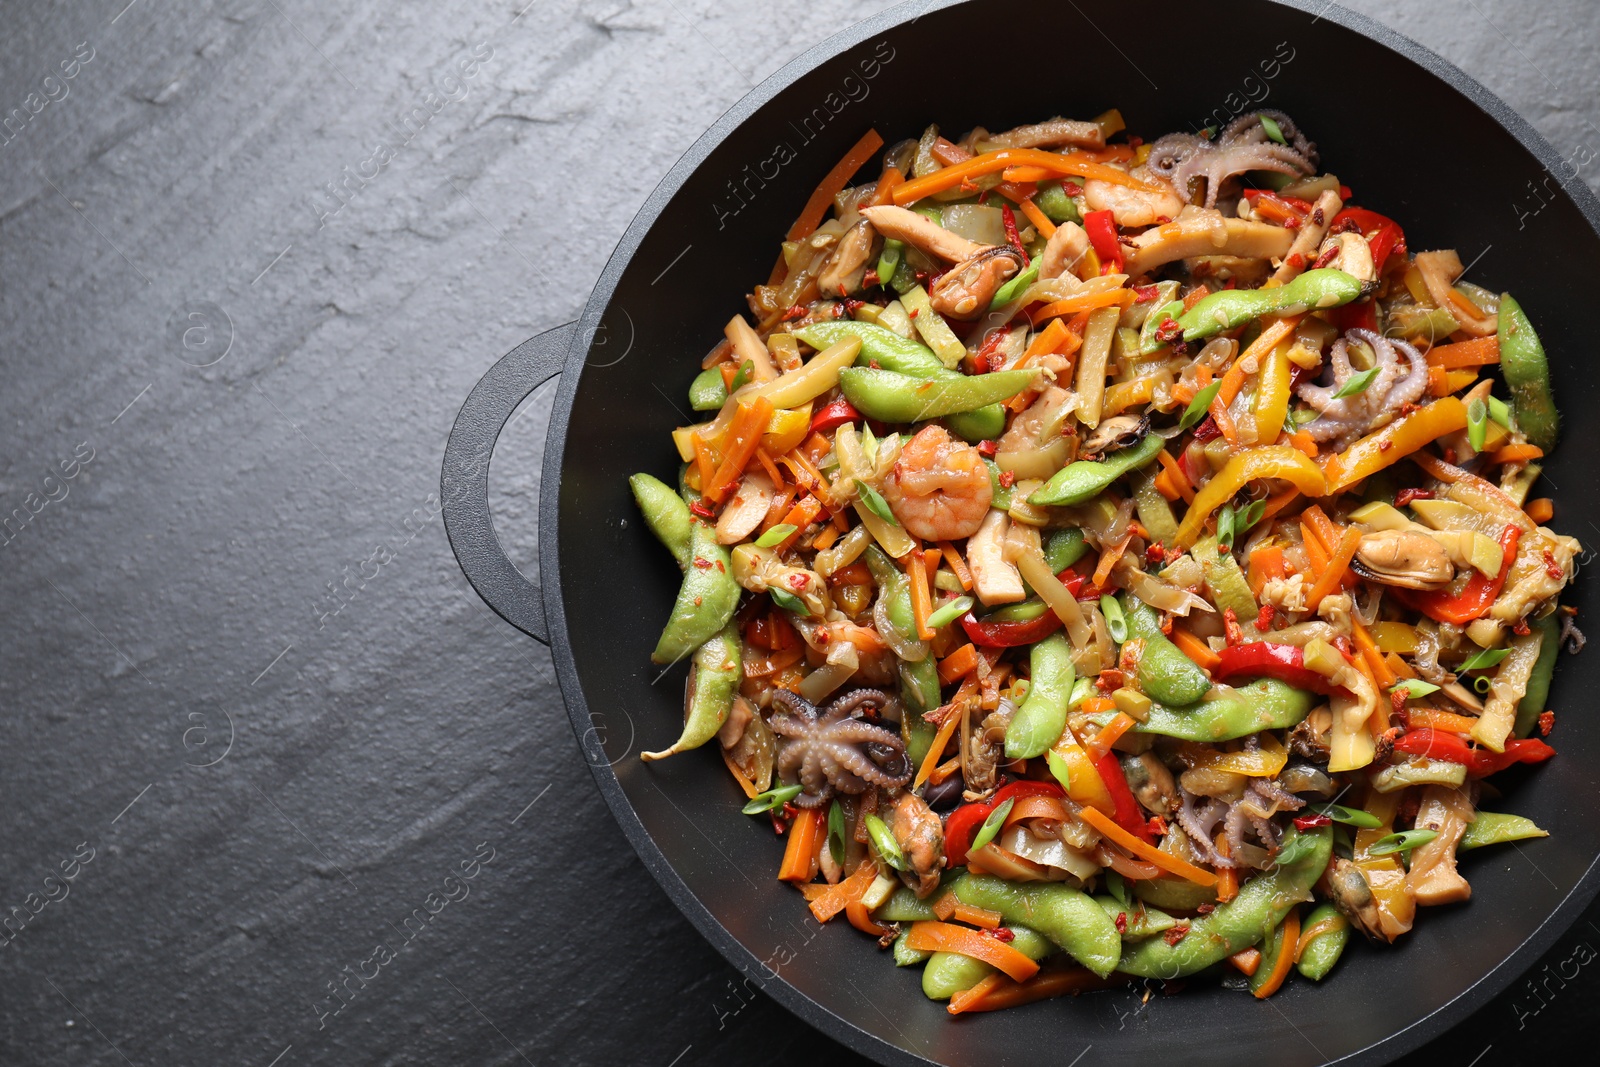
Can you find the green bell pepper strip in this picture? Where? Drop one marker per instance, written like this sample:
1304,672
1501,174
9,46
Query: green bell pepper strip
1043,715
1086,479
665,513
1056,204
1165,674
1063,548
1229,587
1154,511
892,397
713,682
1498,828
1015,287
887,350
1069,917
1246,920
1538,691
1527,374
706,600
1265,704
1315,290
1324,950
1139,921
949,973
1001,494
919,692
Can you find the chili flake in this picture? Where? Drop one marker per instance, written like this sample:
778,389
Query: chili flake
1547,722
1176,934
1406,496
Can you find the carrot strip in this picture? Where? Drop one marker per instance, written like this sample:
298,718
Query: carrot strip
1227,877
1046,339
861,919
1040,220
1165,860
1327,531
1084,302
826,538
1101,742
921,608
1338,566
836,179
1265,563
1304,442
1166,486
958,566
892,179
803,514
1281,965
800,852
1108,559
744,437
746,784
958,664
987,985
1224,421
1448,721
928,936
1516,454
1195,649
778,480
1077,163
1541,510
1026,173
966,913
1179,479
946,730
834,900
1314,550
1316,930
945,770
1369,651
1247,960
1280,502
1475,353
1005,993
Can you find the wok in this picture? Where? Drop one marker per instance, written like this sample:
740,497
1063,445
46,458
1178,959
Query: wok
1416,138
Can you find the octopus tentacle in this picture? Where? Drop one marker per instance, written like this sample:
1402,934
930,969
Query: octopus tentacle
828,751
1343,419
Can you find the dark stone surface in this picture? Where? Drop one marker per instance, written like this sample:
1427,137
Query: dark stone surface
238,661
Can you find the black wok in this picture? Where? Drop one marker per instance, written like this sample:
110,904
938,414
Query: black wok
1417,140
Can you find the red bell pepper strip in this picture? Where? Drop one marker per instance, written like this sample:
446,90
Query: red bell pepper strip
1258,659
1383,234
987,634
834,415
1127,815
1009,219
961,825
1477,596
1436,744
1362,315
1101,226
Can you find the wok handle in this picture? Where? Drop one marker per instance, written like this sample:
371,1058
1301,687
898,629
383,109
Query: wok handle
464,482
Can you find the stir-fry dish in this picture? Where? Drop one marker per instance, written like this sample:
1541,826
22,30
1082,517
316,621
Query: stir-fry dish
1107,559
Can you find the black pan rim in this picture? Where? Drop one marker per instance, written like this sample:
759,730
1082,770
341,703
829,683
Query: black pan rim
1397,1044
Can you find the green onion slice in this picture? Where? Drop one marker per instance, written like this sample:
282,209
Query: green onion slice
1274,131
1197,407
836,833
1356,383
1116,622
1414,688
789,602
883,840
1401,842
875,503
773,798
991,825
1361,820
1477,423
950,612
776,536
1484,658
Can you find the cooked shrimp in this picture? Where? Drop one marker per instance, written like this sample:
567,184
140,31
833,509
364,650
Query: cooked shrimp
1133,207
939,488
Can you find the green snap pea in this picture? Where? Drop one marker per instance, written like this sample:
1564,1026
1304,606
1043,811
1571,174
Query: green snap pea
1001,494
1265,704
1324,950
1069,917
1228,585
887,350
904,906
1527,374
893,397
1246,920
1498,828
1139,921
1315,290
919,692
1273,945
1538,691
665,513
1165,673
1043,715
1063,548
1149,343
949,973
1086,479
1056,204
706,600
708,391
895,589
714,678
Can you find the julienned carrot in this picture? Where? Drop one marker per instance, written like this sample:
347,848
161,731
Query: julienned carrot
958,566
1338,566
861,919
1315,930
1446,721
1474,353
1058,165
947,937
803,514
1285,958
835,180
1516,454
1270,338
826,538
1265,563
1541,510
837,896
1195,649
921,607
1144,850
946,730
1179,479
892,179
1122,298
738,775
1280,501
1313,546
1224,420
1047,339
1165,485
945,770
743,438
958,664
1040,220
947,907
1108,560
1108,735
800,852
1004,993
1369,652
988,984
1227,877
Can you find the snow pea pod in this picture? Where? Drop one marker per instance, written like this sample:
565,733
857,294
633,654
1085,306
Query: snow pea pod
1497,828
1087,479
708,391
1165,673
665,513
706,600
1043,715
713,680
1140,921
1315,290
1069,917
894,397
1527,374
1261,905
1063,548
949,973
1324,950
904,906
894,589
1265,704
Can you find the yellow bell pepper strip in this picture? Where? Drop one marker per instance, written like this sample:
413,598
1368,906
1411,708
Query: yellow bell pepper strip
1394,442
1077,164
1272,394
1385,874
1273,461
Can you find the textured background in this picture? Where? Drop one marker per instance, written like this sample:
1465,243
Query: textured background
239,666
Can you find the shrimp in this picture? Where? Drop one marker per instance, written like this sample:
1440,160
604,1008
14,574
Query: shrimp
1133,207
939,488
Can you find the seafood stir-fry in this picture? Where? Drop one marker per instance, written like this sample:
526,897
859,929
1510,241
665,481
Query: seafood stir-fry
1107,559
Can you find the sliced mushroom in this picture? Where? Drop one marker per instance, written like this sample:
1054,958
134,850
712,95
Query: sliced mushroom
746,510
847,264
1433,877
1206,233
965,290
994,580
1119,431
905,225
1310,236
1403,558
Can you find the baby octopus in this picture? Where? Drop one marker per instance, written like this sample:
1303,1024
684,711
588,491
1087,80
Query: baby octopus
1244,145
939,488
1344,419
827,750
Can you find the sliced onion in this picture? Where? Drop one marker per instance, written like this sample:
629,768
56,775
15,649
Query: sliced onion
1125,865
1161,596
1058,860
909,649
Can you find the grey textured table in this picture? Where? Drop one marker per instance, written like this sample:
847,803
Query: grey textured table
252,257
